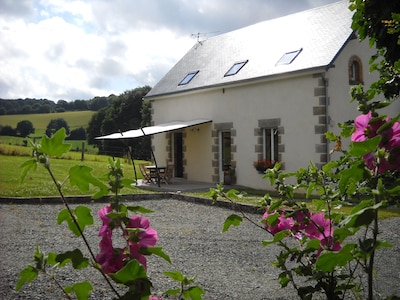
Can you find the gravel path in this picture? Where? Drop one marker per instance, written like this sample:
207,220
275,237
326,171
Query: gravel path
231,265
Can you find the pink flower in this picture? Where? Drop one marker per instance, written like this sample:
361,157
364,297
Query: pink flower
273,229
135,254
367,127
137,233
311,225
285,223
329,244
318,227
145,236
106,220
110,259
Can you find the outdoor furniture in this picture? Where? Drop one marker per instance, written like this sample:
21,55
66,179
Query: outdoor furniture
146,173
156,173
166,176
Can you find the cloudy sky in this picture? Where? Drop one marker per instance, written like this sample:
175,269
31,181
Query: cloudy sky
67,49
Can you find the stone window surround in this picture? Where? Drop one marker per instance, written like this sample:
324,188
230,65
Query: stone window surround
258,133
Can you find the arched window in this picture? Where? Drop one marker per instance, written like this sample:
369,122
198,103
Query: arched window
355,71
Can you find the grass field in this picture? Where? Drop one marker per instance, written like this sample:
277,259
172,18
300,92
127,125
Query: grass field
39,183
75,119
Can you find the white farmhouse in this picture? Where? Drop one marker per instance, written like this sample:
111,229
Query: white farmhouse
267,91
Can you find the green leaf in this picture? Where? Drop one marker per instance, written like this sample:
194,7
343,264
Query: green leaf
156,251
82,177
55,145
28,165
126,182
313,244
193,293
81,290
359,149
25,276
283,279
132,271
139,209
83,217
342,233
234,220
173,292
175,275
277,238
354,174
275,205
328,261
38,258
75,256
394,191
362,217
51,258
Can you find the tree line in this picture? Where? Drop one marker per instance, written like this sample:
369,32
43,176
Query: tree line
43,106
124,112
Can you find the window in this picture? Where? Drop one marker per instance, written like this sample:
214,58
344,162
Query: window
355,71
289,57
188,78
235,68
271,144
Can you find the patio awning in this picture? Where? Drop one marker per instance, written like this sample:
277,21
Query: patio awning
150,130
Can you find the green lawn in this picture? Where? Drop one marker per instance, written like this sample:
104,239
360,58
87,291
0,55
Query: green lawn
39,183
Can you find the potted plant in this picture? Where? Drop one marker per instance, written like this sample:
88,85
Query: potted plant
229,175
262,165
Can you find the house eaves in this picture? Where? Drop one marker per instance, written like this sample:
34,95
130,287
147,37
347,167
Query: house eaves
231,84
318,34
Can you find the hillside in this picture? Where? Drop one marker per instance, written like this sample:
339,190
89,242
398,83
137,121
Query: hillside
75,119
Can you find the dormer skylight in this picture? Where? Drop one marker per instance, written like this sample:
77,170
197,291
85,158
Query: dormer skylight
289,57
236,68
188,78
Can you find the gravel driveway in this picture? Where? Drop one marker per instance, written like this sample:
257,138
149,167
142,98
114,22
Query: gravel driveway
231,265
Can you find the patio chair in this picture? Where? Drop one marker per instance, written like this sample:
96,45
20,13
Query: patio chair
167,175
145,173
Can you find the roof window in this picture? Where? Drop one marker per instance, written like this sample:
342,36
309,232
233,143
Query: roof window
236,68
289,57
188,78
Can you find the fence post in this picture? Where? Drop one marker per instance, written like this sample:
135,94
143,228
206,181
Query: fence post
83,152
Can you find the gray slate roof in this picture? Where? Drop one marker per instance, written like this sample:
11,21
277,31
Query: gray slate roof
320,32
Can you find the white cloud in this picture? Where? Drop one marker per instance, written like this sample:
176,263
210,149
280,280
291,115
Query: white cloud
61,49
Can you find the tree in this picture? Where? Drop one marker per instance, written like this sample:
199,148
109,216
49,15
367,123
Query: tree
380,22
8,130
126,112
77,134
25,128
55,125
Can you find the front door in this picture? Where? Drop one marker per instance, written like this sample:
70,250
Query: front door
178,154
225,153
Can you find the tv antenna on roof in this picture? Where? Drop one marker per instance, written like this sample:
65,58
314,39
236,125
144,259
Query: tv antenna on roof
201,34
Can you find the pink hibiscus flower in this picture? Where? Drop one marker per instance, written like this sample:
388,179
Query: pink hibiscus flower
145,236
318,227
366,128
106,220
110,259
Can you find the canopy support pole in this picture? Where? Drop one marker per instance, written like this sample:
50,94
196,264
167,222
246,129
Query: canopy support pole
155,161
133,163
132,158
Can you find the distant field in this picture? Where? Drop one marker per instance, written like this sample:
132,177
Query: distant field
75,119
